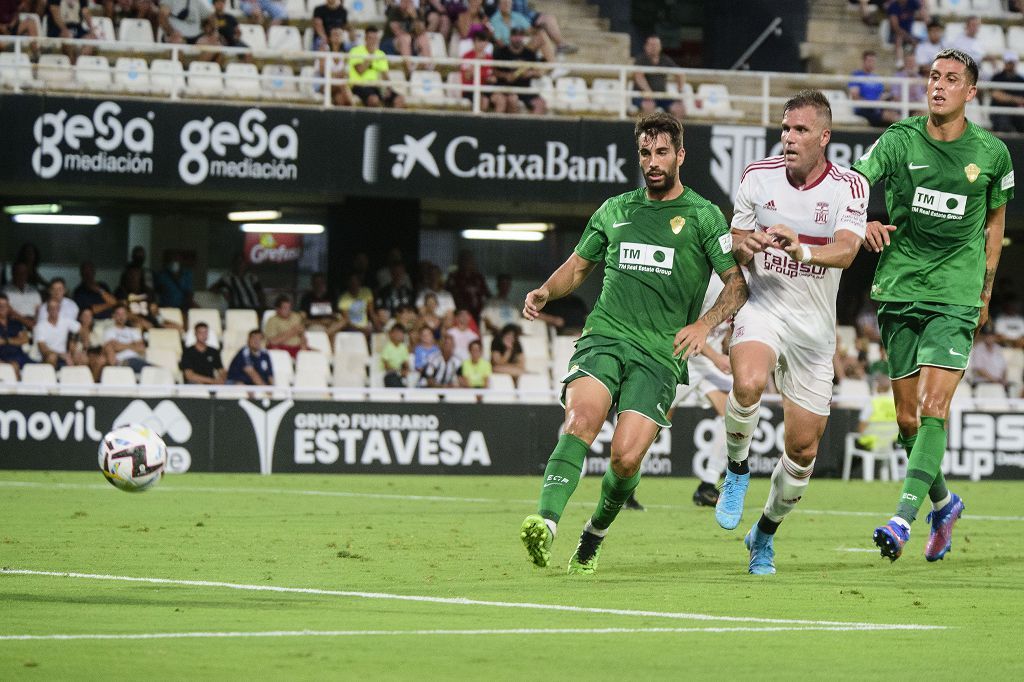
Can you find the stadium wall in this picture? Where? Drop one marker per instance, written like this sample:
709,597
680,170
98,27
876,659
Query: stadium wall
293,436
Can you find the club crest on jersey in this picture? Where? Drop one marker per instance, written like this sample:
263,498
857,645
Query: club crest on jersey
677,224
972,172
821,212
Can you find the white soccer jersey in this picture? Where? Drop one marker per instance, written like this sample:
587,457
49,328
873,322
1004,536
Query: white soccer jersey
801,296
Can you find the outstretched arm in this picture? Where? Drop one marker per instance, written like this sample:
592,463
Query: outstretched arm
690,340
838,254
562,282
995,225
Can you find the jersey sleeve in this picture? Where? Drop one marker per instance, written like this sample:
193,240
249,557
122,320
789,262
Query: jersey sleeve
594,242
883,157
1001,189
744,215
853,205
716,238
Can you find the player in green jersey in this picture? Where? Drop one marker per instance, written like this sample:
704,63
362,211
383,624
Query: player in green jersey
659,244
947,184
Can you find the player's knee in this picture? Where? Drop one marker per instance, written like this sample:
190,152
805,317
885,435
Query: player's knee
803,454
625,463
748,389
584,424
907,422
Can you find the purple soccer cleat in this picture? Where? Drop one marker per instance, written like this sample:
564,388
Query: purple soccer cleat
940,540
890,539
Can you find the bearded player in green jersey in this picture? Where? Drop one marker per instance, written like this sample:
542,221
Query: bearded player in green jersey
659,245
947,184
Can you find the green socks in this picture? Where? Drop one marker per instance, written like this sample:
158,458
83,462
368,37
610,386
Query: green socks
561,476
938,492
923,467
614,493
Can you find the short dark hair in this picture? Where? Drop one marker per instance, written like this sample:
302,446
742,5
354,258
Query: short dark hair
201,324
372,29
55,280
814,99
652,125
962,57
254,331
119,305
868,53
3,297
283,298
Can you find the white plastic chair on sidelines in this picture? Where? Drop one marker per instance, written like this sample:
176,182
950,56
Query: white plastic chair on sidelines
138,31
156,382
501,389
165,76
75,380
241,319
311,370
886,451
242,80
281,364
37,378
211,316
284,38
131,74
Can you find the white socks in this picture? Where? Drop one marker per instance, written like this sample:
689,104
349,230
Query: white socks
789,480
936,506
599,532
552,526
740,423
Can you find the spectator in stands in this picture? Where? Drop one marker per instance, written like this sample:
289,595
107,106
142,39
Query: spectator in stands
405,32
435,14
467,286
265,11
394,357
138,259
926,50
92,294
333,63
70,19
881,409
470,16
182,20
11,24
148,10
482,51
902,14
28,253
507,353
174,283
506,19
227,26
251,365
58,292
285,329
211,37
500,310
367,66
430,319
319,307
968,40
519,76
567,315
476,370
870,10
462,333
326,17
425,349
24,298
13,335
407,316
848,363
988,364
1008,123
433,283
917,90
649,83
384,272
1009,324
56,338
867,89
241,287
397,292
134,294
548,23
200,363
356,305
442,370
867,320
123,345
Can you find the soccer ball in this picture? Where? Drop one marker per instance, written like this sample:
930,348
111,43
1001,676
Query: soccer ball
132,458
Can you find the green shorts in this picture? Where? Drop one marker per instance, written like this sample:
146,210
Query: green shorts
635,381
936,334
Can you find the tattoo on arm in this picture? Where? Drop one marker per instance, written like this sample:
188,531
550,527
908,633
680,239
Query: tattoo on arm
986,289
734,295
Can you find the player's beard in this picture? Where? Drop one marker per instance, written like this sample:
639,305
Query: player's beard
667,182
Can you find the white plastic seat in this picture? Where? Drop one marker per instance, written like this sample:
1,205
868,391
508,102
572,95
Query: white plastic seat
93,73
242,80
992,39
169,339
347,377
211,316
962,396
363,12
205,79
117,376
173,315
75,380
16,70
571,94
281,364
853,392
842,110
688,96
55,71
954,29
254,36
886,451
398,82
7,375
156,376
715,101
318,341
166,76
278,81
427,87
308,84
37,378
462,395
1015,38
500,389
137,31
166,358
958,7
438,49
240,319
605,95
350,350
535,350
990,396
131,74
311,370
297,10
285,38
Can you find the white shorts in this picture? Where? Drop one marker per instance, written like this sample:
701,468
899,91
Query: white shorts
706,377
803,374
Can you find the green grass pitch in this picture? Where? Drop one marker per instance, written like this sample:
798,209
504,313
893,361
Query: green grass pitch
300,577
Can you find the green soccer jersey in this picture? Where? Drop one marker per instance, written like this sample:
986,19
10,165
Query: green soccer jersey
658,257
937,194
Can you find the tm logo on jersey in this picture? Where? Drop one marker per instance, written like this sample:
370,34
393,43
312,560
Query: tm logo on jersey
939,204
646,258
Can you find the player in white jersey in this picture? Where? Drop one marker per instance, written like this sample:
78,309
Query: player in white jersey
798,221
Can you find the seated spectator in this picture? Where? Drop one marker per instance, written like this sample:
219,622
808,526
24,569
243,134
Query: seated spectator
467,16
285,329
506,19
864,89
93,295
519,76
397,293
200,363
435,14
58,292
148,10
333,64
507,354
442,370
251,365
265,11
367,65
138,259
227,26
356,305
405,31
134,294
174,283
182,21
917,91
394,357
462,333
433,283
870,10
28,253
319,307
24,298
500,311
880,410
13,335
407,316
123,345
467,286
1008,123
968,40
902,14
241,288
482,50
11,24
476,370
657,82
211,37
425,349
429,317
326,18
55,337
1009,324
70,19
924,53
548,23
988,364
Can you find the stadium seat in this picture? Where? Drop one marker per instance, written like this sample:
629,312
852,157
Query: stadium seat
606,95
350,351
536,352
211,316
16,70
562,350
535,388
688,95
7,375
545,87
842,110
297,11
571,94
205,79
308,83
75,380
311,370
173,315
254,36
279,81
715,101
240,319
131,74
438,49
991,396
307,38
853,392
136,31
318,341
992,39
284,38
348,377
37,377
242,80
500,389
156,376
398,82
956,7
886,452
117,376
55,72
363,12
93,73
533,327
426,87
461,395
281,364
169,339
377,341
453,90
962,396
1015,38
166,76
954,29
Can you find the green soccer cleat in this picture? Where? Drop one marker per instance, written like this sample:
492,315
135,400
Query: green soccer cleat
537,538
584,559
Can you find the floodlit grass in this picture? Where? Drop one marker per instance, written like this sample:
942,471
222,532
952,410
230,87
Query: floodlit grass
356,541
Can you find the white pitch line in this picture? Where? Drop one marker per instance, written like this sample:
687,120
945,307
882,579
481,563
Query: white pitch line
431,498
463,601
856,549
420,633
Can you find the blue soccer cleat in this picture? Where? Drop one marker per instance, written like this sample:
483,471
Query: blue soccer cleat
762,552
729,509
890,539
940,540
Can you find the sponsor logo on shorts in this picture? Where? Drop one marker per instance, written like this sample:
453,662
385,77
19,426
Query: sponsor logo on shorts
932,202
646,258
